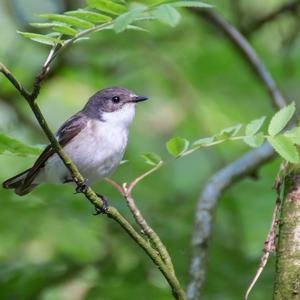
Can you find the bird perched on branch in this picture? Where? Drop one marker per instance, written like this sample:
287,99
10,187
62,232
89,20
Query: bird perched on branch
95,139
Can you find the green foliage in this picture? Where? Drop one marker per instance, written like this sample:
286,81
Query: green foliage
281,118
177,146
283,144
167,14
254,140
151,158
285,147
126,19
113,15
107,6
253,127
90,16
43,39
11,145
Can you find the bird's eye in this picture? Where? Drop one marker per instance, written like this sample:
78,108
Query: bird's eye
116,99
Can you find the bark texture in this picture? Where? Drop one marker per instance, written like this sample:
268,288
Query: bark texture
287,280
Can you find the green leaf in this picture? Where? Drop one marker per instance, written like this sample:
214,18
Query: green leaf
231,131
293,135
167,14
64,29
285,148
124,20
254,140
43,39
203,141
253,127
281,118
177,145
8,144
108,6
191,3
46,25
151,158
89,16
68,20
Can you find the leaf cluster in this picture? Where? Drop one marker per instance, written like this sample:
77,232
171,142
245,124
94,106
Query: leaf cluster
284,143
73,26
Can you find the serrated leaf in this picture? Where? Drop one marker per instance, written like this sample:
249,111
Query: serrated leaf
231,131
167,14
285,148
43,39
177,145
191,3
69,20
108,6
151,158
64,29
294,135
11,145
89,16
254,140
253,127
203,141
122,21
281,118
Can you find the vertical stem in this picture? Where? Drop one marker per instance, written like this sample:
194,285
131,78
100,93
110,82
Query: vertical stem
287,280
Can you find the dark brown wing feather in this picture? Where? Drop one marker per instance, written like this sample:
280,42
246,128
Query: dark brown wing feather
64,135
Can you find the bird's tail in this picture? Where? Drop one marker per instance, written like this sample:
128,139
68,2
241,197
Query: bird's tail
17,183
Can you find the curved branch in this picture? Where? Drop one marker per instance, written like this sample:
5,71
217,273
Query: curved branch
207,203
79,180
234,172
247,52
289,7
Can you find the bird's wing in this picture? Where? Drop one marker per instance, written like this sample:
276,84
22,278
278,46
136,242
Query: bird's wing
65,134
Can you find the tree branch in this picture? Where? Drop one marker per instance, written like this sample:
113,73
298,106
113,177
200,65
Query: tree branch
79,180
247,52
287,284
244,166
206,205
289,7
126,192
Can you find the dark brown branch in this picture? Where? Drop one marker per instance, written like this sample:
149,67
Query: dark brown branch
289,7
246,51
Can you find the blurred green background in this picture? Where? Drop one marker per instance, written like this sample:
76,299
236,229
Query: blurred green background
51,246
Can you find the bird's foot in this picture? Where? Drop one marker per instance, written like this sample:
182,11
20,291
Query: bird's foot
104,208
83,187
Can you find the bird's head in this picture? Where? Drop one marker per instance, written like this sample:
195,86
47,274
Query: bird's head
114,104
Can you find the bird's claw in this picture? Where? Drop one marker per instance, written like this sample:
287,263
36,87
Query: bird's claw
104,208
83,187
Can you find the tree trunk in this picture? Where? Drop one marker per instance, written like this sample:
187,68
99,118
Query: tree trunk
287,280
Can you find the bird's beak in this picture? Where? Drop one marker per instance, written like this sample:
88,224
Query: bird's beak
139,99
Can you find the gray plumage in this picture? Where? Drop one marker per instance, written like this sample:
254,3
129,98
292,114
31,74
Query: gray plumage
94,138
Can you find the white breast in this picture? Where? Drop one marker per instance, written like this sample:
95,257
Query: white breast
97,150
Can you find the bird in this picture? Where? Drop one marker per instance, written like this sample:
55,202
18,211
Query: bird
95,138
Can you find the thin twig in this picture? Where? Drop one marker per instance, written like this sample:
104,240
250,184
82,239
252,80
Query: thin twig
270,242
79,180
269,246
126,192
236,171
289,7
